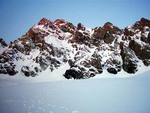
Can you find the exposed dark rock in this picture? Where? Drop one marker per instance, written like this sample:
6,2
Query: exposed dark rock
112,70
141,52
71,63
91,69
128,32
37,69
11,71
80,37
55,62
144,22
44,63
146,62
148,37
108,38
118,67
3,43
100,70
106,32
8,69
145,39
80,27
72,73
111,28
92,74
3,59
96,62
129,62
130,66
68,27
27,72
2,70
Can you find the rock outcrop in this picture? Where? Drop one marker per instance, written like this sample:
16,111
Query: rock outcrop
48,45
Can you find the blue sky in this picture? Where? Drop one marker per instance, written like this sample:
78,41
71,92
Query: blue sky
17,16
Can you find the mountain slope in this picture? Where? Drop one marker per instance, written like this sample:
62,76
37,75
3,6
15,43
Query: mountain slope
48,46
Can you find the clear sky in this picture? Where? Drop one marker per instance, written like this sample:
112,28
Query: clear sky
17,16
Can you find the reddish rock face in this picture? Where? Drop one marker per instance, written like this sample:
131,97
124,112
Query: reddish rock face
141,24
106,32
99,33
139,27
58,22
37,34
140,51
111,28
44,21
108,27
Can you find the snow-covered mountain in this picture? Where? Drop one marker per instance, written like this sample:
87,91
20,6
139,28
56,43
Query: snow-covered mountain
76,51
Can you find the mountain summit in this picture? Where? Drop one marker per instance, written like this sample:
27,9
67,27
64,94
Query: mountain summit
78,51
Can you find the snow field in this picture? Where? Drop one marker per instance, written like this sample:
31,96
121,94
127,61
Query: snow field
105,95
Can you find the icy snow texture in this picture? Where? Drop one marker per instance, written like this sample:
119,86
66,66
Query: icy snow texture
113,95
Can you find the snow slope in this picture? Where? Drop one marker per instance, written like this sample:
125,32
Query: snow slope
105,95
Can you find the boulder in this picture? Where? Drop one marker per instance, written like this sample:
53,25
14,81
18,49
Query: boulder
146,62
72,73
27,72
11,71
8,69
130,67
112,70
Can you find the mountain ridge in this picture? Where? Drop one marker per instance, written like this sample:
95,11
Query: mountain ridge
49,45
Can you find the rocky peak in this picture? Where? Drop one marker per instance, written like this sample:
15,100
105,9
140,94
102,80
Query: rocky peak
54,25
106,32
141,27
68,27
140,24
145,22
53,28
80,27
3,43
111,28
59,22
44,21
107,25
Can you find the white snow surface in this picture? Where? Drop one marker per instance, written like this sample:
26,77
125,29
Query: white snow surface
57,43
105,95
